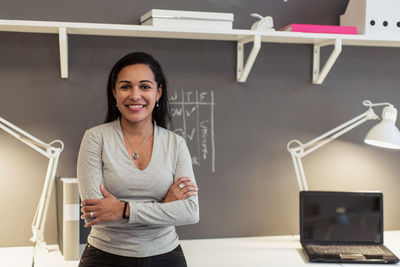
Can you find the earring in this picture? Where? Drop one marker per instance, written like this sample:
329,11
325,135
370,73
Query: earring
157,105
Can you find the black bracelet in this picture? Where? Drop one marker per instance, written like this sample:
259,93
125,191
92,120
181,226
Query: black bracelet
123,213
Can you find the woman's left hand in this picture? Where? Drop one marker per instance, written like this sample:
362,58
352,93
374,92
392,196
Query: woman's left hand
106,209
181,189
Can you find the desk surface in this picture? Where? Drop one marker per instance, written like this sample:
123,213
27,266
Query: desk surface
260,251
220,252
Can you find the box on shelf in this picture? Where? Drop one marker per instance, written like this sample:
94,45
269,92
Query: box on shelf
373,17
187,19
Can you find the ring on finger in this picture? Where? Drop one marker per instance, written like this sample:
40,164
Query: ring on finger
181,185
91,214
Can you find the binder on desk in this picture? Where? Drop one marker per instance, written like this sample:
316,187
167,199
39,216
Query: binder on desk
68,217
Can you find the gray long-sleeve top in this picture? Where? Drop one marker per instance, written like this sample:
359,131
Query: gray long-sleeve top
103,159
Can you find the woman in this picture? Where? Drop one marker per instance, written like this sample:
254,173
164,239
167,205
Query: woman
135,176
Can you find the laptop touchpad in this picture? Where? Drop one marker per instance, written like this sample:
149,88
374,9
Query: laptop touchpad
352,256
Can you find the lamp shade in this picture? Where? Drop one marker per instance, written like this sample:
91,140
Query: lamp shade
385,133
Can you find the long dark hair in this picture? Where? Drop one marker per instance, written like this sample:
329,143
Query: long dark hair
161,114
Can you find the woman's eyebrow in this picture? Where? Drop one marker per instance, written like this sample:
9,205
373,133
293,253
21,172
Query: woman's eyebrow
124,82
142,81
146,81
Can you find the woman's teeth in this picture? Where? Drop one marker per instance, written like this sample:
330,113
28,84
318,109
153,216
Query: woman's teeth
135,106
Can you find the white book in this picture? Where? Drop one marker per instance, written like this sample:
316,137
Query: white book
187,19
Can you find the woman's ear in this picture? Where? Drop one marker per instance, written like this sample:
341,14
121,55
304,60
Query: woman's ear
159,92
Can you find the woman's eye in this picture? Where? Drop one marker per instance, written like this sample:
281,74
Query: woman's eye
124,87
145,87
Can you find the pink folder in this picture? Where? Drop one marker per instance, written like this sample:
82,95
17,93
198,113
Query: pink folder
320,28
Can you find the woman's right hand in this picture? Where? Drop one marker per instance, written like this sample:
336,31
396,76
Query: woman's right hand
181,189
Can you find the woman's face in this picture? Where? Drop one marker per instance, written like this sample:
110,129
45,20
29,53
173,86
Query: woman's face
136,93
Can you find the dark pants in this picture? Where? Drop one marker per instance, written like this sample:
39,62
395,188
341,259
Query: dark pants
93,257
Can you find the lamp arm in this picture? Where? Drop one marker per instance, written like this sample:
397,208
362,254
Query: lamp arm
301,150
338,131
39,220
300,176
45,149
53,154
304,149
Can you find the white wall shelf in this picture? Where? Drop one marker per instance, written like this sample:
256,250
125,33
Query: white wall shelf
242,37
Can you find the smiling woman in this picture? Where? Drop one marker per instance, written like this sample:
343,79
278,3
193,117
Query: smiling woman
135,177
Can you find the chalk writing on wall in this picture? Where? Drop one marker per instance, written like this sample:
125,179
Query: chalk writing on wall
193,119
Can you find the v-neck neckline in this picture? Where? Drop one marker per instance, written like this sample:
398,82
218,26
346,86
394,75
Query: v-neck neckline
121,134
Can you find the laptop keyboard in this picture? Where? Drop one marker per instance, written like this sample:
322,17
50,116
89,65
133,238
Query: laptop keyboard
347,249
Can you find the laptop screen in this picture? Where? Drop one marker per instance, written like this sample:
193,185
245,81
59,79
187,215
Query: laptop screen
341,217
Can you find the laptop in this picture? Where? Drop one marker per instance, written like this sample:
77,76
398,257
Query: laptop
345,227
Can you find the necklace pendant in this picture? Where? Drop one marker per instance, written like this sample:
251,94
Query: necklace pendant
135,155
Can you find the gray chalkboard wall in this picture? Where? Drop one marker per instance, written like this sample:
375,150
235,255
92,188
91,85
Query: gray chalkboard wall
237,133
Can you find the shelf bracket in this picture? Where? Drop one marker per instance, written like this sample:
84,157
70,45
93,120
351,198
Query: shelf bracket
63,41
243,70
319,76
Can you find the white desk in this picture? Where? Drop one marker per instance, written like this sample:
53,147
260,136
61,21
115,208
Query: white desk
260,251
233,252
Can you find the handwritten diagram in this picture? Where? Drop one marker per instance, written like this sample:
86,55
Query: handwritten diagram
193,119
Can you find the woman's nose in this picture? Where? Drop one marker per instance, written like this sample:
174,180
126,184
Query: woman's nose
135,94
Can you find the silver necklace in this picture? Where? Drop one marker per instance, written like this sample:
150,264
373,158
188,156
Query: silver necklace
135,154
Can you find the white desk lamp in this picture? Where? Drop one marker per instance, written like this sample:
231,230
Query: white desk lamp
53,154
384,134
